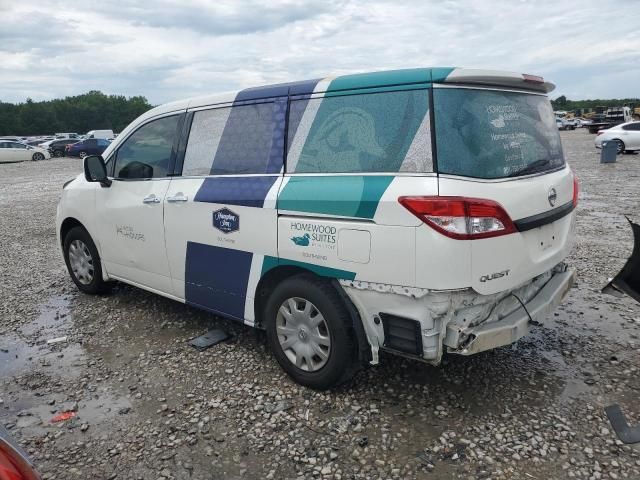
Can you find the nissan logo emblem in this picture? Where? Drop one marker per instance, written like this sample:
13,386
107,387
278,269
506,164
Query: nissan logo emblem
552,196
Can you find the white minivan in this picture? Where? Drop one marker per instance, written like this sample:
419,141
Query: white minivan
419,212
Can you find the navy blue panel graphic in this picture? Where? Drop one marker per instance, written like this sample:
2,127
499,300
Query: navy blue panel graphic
276,153
216,278
303,88
246,142
245,191
277,90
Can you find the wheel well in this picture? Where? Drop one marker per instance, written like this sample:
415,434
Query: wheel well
267,283
276,275
67,225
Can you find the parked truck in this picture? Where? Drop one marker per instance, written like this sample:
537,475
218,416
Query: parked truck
611,117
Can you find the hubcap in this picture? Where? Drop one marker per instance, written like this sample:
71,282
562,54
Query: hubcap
303,334
81,262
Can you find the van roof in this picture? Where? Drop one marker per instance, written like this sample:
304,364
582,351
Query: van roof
371,80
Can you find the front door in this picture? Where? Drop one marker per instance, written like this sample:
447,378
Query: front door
130,211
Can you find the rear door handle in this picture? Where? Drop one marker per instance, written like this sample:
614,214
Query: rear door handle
151,199
178,197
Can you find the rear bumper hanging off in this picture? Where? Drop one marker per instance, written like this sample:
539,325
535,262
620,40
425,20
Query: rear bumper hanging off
514,326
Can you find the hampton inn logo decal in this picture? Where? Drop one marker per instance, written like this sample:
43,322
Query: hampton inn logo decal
226,221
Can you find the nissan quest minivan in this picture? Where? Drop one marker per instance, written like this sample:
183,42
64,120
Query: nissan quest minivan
417,212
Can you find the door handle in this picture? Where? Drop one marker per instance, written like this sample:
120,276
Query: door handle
151,199
178,197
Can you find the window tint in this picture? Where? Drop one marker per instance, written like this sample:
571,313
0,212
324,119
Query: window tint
147,152
5,145
18,145
236,140
495,134
377,132
103,143
632,127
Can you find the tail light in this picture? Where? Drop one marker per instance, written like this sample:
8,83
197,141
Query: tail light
532,78
576,190
14,467
460,217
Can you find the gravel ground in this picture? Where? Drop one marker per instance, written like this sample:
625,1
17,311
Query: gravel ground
148,406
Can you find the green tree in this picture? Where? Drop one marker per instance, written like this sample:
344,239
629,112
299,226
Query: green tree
80,113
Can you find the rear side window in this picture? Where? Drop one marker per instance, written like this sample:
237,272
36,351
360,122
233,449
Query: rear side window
495,134
147,152
375,132
632,127
241,139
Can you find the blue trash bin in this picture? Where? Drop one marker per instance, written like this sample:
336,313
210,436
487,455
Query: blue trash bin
609,151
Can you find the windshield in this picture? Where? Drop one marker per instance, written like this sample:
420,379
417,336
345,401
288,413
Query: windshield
495,134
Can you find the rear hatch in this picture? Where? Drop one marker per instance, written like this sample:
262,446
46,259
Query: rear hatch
502,146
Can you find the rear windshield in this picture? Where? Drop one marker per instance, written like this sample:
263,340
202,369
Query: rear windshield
495,134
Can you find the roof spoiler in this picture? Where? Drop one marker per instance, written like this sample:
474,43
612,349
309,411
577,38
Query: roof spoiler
499,78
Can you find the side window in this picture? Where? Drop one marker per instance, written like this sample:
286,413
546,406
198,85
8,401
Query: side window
103,143
147,152
375,132
632,127
18,145
236,140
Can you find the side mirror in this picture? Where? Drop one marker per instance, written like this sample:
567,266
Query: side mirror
95,170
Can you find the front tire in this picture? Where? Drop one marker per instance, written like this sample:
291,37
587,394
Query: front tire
36,157
309,331
620,147
83,261
58,153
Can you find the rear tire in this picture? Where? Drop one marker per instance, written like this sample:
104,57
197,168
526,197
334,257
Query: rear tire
58,153
309,331
83,261
83,154
37,157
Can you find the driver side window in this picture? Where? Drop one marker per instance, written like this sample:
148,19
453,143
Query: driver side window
146,153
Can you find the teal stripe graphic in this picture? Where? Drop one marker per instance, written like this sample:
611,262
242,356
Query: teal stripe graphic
440,74
346,196
272,262
378,79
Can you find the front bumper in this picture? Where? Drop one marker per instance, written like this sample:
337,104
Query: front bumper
514,326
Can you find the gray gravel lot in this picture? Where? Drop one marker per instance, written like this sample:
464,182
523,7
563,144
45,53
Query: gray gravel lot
148,406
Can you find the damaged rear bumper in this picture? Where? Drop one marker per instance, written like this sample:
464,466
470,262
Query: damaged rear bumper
514,326
423,324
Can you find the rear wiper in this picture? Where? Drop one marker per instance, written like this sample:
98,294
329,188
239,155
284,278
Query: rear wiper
532,168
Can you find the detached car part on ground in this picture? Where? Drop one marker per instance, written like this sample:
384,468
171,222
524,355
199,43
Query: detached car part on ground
626,282
366,230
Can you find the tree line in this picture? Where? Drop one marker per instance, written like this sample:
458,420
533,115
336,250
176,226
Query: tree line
563,103
80,113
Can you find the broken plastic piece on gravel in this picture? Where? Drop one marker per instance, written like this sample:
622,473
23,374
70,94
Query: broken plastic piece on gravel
61,417
52,341
618,421
209,339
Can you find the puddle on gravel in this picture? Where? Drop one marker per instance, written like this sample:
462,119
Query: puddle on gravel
30,351
32,415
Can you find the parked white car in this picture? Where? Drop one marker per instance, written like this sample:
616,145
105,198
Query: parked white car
19,152
581,122
318,211
626,135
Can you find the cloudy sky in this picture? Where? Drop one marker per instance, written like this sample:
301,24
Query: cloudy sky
171,49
